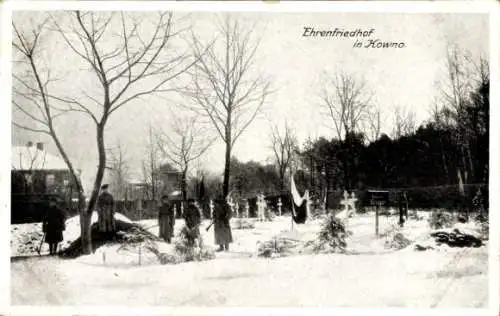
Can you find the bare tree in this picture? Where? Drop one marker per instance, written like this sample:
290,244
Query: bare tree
456,87
226,87
284,146
151,166
34,161
184,143
347,102
374,123
128,57
119,170
455,92
403,122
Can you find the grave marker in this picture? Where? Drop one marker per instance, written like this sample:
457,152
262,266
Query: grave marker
237,209
260,207
403,208
279,205
211,206
378,198
247,209
349,203
139,209
230,202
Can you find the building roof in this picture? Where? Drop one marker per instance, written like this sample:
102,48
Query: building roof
31,158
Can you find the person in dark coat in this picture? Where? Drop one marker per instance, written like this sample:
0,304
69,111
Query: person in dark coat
403,208
53,225
166,219
192,216
106,211
222,228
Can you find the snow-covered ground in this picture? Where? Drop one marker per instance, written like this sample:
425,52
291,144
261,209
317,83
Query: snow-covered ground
371,276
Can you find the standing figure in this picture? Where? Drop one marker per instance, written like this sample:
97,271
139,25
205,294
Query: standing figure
222,227
106,212
53,225
403,208
166,219
192,216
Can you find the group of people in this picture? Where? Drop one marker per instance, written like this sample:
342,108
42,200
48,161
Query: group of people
192,217
55,217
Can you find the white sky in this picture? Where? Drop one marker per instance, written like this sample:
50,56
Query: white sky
404,77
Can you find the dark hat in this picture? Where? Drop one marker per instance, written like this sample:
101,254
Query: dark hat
190,200
104,186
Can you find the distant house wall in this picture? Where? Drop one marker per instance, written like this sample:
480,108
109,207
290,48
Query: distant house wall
31,189
171,181
42,182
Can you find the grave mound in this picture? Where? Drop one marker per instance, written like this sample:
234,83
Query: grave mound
460,235
126,232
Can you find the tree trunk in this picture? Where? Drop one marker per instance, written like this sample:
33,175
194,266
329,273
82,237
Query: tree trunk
227,164
346,166
86,216
227,167
327,183
311,168
443,160
472,174
85,223
282,178
184,184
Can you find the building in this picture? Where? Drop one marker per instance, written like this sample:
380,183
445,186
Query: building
170,177
167,180
35,176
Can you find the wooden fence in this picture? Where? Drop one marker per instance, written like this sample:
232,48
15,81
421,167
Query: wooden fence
26,209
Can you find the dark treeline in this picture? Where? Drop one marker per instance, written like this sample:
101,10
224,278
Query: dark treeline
428,163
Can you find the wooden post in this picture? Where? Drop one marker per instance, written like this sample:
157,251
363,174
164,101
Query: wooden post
140,247
378,198
140,218
401,210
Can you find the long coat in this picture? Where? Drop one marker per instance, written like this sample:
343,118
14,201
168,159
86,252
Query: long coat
166,220
192,216
106,212
54,223
222,228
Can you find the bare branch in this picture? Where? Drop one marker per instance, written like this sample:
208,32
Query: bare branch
347,103
34,130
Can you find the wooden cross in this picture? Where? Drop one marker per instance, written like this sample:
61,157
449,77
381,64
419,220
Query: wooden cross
352,202
230,202
237,209
247,209
260,205
345,201
211,205
349,203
